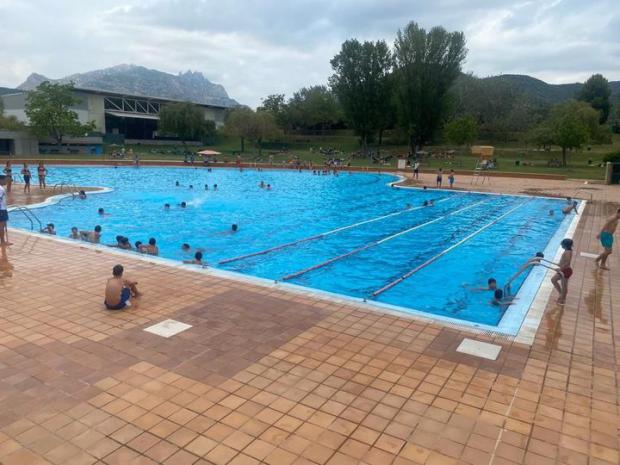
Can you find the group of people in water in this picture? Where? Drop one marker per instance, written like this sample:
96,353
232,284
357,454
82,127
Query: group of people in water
563,271
26,176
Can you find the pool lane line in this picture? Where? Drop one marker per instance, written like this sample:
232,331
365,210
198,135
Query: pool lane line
325,234
444,252
375,243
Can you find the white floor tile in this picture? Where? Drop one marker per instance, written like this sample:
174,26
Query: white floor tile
588,255
167,328
479,349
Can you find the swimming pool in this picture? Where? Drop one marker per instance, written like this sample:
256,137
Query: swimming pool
351,234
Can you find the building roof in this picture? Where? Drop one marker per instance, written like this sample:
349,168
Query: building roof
124,94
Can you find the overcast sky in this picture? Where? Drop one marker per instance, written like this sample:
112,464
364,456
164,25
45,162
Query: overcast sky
258,47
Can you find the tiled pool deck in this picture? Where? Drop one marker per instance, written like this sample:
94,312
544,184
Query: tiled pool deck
266,376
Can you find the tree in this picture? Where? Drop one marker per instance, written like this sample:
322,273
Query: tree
596,92
48,109
572,124
314,108
361,81
426,65
238,123
461,131
186,121
275,104
257,126
10,123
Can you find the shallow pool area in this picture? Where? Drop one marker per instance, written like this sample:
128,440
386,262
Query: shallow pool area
351,234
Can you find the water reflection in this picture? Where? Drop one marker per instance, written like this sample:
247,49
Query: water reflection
6,269
594,299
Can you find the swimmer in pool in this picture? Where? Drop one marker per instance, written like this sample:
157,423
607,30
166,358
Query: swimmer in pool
151,248
49,229
491,285
196,261
166,206
74,233
569,208
183,204
101,212
91,236
500,300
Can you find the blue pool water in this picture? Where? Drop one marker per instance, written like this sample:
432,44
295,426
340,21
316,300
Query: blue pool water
482,235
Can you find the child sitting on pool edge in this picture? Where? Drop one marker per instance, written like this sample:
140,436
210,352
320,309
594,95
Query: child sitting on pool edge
118,290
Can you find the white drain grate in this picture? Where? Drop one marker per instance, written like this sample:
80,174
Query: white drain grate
588,255
479,349
167,328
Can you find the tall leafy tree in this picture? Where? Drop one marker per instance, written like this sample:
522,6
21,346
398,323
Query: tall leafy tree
314,107
254,126
275,104
426,65
571,125
596,92
186,121
461,131
361,81
49,112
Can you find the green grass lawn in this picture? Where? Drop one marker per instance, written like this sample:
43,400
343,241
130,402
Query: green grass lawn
306,148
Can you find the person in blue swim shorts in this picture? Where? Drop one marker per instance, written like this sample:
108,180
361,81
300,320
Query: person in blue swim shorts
119,290
606,237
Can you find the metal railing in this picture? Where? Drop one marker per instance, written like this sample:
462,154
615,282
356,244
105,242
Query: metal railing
70,187
29,214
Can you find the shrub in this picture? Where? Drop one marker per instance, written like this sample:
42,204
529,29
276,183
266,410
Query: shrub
613,157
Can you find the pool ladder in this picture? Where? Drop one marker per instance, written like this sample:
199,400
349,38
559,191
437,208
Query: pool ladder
72,188
29,214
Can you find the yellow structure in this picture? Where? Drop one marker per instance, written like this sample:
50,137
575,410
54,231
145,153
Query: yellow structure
483,151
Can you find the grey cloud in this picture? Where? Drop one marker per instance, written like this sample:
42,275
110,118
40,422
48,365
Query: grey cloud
257,47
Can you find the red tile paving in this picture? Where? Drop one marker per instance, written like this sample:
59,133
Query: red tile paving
266,376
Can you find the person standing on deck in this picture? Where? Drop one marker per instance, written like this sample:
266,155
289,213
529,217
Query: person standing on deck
439,177
26,174
416,170
8,170
41,173
606,236
4,214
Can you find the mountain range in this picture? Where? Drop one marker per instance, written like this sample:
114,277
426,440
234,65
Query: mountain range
543,92
137,80
194,87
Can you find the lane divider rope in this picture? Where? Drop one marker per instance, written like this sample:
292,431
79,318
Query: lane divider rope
372,244
442,253
322,235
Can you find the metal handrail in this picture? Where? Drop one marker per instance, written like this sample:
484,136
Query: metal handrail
29,214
